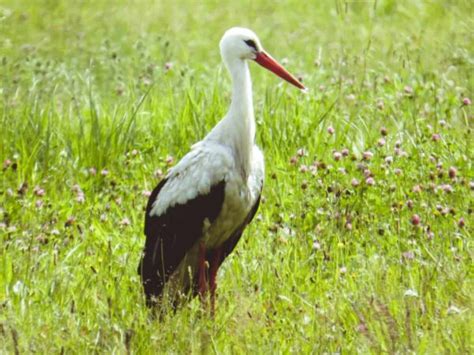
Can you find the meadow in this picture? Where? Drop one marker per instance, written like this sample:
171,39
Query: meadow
363,241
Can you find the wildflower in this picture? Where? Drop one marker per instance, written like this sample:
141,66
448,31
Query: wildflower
293,160
168,66
381,142
169,160
38,191
445,211
146,193
303,168
453,310
389,160
417,189
350,97
383,131
435,137
466,101
345,152
430,235
355,182
304,185
408,255
461,222
104,172
337,156
6,164
447,188
331,130
370,181
452,172
125,222
410,293
397,171
367,155
380,105
408,90
415,220
301,152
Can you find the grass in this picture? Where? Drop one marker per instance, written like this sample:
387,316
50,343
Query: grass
364,253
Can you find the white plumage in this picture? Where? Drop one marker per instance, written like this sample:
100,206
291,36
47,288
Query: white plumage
199,211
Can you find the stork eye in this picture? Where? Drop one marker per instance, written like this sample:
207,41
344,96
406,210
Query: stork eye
251,43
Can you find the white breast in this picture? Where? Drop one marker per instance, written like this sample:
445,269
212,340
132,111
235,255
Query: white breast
240,197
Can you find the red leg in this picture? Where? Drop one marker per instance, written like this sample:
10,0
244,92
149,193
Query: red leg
202,280
216,259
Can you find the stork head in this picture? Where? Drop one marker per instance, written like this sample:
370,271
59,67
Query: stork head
242,44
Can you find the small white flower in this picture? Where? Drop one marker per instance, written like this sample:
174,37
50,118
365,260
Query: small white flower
18,287
453,310
410,293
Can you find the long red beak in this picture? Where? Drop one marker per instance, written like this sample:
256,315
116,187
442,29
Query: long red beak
266,61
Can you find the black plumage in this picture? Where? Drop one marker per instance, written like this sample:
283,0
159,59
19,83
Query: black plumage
170,236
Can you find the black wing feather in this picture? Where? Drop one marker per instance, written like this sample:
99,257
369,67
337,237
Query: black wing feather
170,236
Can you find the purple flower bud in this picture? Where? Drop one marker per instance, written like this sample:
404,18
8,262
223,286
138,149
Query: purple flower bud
415,220
452,172
367,155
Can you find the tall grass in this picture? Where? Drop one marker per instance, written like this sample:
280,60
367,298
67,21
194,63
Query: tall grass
100,98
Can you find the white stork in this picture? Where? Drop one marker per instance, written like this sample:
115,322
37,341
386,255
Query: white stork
197,213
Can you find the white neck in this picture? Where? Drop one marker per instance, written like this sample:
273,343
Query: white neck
237,128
